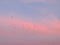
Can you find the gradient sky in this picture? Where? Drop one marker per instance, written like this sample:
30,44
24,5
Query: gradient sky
30,22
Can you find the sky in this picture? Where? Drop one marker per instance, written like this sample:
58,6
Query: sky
29,22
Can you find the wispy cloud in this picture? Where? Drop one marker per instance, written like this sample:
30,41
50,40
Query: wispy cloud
53,24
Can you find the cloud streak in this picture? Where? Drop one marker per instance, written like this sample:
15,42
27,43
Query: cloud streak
52,28
15,29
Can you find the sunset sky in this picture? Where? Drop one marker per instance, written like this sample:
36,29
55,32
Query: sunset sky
29,22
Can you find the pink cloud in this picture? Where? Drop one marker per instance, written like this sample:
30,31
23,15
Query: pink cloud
53,24
52,28
24,24
49,28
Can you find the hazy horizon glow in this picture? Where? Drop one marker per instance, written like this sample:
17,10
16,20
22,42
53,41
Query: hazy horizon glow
29,22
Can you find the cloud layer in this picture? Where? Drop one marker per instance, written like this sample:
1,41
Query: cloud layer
19,30
50,26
